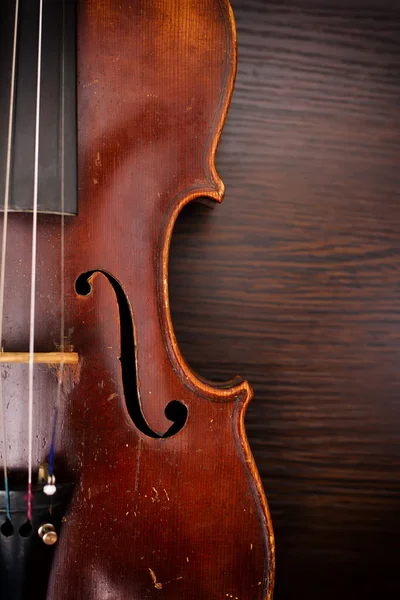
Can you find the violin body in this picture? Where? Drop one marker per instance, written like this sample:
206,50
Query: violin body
167,500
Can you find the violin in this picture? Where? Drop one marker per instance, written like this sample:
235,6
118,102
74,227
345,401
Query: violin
124,474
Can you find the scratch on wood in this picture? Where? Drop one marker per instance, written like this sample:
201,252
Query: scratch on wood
171,580
93,82
137,472
157,585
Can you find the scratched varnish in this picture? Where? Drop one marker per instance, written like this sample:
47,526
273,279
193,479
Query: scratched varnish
294,283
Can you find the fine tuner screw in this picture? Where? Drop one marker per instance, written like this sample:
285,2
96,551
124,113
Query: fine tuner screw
50,488
48,481
48,534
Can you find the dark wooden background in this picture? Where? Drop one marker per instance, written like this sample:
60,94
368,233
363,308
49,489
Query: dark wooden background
294,283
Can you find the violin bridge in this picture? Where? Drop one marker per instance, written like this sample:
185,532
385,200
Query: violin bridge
49,358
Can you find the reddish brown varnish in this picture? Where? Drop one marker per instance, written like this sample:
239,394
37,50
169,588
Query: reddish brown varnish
177,518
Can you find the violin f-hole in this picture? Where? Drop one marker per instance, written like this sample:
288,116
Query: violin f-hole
175,410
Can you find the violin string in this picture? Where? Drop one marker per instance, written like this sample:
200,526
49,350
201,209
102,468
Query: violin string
33,266
4,248
62,262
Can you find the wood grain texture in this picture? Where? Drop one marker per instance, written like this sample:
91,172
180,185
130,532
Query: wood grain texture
294,283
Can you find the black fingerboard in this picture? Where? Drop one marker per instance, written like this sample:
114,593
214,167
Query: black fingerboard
57,152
